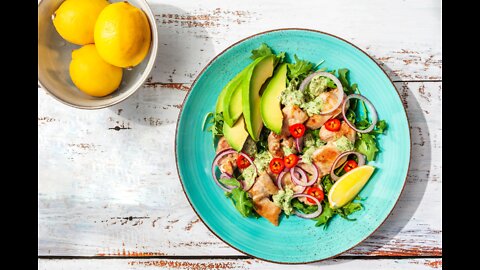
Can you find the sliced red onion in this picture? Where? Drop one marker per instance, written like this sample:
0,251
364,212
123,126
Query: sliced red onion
299,144
311,215
222,154
280,183
314,175
340,93
219,156
225,175
304,178
279,180
372,110
361,162
225,188
215,163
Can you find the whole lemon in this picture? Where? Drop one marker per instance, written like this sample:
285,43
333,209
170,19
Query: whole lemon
122,35
75,19
91,74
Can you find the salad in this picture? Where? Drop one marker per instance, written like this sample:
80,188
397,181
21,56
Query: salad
293,138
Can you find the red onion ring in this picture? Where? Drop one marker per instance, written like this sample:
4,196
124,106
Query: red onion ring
226,175
372,109
311,215
299,144
314,175
361,162
215,163
280,184
279,180
340,92
222,154
303,175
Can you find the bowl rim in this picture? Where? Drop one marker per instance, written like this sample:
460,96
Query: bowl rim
279,30
148,68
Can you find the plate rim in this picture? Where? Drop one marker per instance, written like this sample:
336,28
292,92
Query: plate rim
279,30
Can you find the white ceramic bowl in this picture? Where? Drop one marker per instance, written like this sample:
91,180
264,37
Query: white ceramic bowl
55,54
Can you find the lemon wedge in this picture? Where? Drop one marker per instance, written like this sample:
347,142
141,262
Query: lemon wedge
349,185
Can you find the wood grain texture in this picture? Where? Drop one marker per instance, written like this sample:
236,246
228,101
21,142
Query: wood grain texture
403,36
334,264
108,183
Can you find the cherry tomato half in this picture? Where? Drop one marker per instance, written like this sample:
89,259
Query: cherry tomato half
277,165
290,160
315,192
242,162
333,125
297,130
350,165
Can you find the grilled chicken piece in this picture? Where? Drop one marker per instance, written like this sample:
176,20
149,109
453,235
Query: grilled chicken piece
226,164
285,127
261,192
324,157
275,143
294,115
316,121
345,130
290,143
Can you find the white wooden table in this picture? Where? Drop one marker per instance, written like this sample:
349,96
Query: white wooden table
109,196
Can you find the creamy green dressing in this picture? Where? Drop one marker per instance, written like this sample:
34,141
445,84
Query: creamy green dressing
282,199
317,85
249,175
262,160
344,144
291,96
314,106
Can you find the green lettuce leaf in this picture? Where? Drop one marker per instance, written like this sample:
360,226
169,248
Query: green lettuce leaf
325,216
243,203
342,77
230,182
380,128
300,69
327,183
299,206
349,209
261,51
366,145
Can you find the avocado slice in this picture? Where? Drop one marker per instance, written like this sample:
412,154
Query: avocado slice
219,105
258,73
232,101
236,135
272,115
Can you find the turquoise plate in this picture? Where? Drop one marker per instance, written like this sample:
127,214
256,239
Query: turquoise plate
295,240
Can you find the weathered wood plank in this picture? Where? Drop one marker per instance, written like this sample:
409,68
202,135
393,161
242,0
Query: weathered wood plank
119,264
403,36
108,184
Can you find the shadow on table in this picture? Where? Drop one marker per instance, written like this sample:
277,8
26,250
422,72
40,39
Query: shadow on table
180,40
405,208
